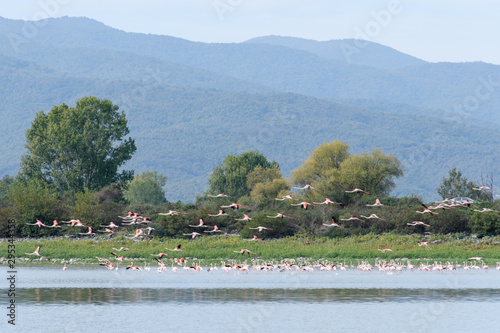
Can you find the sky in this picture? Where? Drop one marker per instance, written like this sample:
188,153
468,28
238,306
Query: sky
432,30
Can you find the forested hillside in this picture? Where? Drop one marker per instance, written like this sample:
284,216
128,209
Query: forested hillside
190,104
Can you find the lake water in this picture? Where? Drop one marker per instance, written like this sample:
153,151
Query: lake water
84,299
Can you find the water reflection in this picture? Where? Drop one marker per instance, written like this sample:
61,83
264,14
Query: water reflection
134,295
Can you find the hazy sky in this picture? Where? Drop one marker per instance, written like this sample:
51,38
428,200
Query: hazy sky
433,30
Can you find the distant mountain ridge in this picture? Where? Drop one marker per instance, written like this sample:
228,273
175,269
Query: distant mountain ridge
190,104
346,50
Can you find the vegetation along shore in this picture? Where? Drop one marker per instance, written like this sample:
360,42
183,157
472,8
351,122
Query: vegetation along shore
72,200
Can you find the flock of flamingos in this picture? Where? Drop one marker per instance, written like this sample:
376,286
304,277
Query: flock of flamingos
143,230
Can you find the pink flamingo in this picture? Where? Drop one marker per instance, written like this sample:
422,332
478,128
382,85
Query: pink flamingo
221,213
245,218
36,253
333,224
376,204
177,248
372,216
327,202
357,190
38,223
221,195
303,204
386,250
243,251
426,210
288,196
193,235
261,228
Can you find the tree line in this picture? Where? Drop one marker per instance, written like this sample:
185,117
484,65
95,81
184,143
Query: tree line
71,170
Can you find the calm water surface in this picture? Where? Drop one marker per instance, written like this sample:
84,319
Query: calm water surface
97,300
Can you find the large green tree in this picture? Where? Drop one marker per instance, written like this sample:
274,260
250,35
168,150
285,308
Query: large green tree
230,176
147,188
78,147
457,185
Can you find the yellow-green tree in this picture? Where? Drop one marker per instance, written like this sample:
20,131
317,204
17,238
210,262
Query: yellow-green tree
146,188
266,183
332,169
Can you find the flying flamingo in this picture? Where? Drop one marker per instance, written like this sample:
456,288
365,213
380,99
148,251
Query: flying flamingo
74,223
486,210
138,233
171,212
357,190
481,188
221,195
129,215
149,229
221,213
89,232
215,229
243,251
306,187
286,197
78,223
352,218
280,216
193,235
334,224
372,216
36,253
160,255
106,230
414,223
201,225
177,248
234,206
426,210
55,225
38,223
386,250
303,204
117,256
261,228
122,249
377,203
111,225
134,221
134,268
327,202
255,238
245,218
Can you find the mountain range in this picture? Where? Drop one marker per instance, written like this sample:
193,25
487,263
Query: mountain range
189,104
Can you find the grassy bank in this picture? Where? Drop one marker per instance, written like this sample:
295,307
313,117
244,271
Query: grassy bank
215,248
